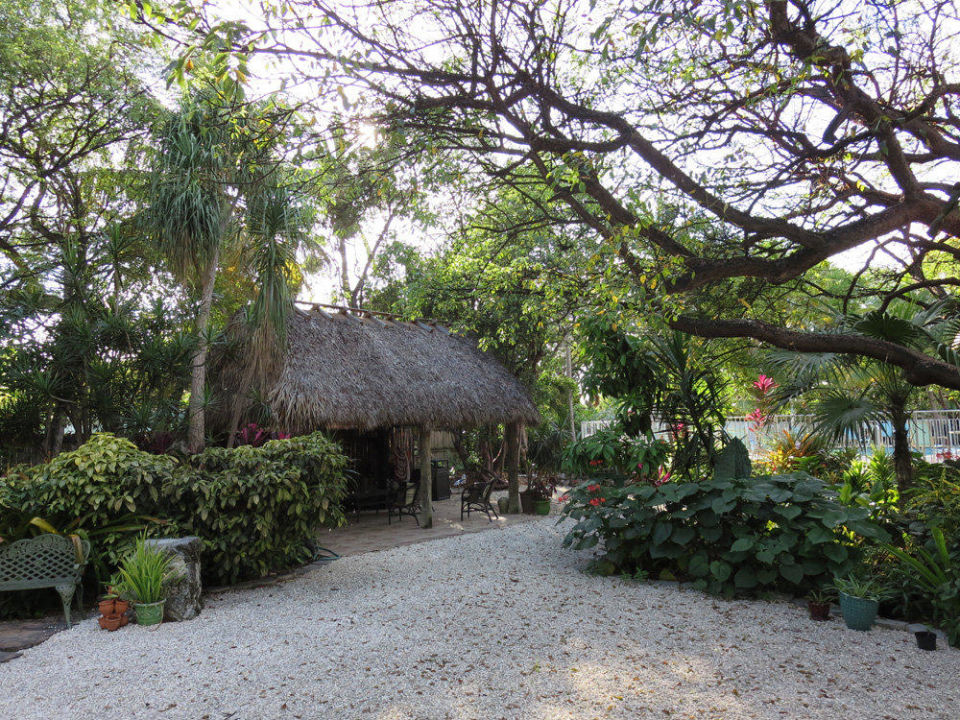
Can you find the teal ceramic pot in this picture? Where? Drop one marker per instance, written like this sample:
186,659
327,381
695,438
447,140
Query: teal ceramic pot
858,613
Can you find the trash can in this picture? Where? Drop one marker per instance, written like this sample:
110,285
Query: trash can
441,480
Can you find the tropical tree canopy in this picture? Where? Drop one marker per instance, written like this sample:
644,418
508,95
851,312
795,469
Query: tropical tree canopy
721,149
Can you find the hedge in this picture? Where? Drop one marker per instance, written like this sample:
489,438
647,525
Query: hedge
258,510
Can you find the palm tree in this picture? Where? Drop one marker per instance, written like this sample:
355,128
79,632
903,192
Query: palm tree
193,197
851,394
278,220
215,189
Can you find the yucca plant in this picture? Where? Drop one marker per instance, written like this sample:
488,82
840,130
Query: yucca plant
144,573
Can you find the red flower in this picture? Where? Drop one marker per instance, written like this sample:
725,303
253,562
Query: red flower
597,501
563,498
593,488
764,384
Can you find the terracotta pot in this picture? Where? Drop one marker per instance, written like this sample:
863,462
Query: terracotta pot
107,607
110,622
124,619
122,606
818,610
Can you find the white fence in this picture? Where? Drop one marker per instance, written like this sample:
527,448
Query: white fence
931,432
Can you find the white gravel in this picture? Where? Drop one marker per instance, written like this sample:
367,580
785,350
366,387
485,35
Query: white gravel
499,624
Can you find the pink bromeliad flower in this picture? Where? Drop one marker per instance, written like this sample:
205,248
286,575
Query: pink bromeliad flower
764,384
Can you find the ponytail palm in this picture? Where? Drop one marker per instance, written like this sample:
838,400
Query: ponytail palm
191,214
215,189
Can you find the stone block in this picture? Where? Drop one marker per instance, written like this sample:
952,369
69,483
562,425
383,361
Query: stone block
183,594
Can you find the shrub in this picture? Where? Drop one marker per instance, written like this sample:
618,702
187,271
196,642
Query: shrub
611,452
727,536
104,490
933,581
258,509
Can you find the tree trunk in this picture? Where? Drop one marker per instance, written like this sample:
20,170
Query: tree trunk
568,370
426,484
902,461
196,434
513,466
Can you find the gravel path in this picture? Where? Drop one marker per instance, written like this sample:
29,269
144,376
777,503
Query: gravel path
499,624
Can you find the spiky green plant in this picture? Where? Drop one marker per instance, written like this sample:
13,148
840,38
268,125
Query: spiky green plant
145,573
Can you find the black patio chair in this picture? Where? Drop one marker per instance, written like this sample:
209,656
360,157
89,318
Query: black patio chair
477,497
405,501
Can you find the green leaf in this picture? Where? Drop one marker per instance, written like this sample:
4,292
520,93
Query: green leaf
661,532
699,565
744,543
792,572
720,570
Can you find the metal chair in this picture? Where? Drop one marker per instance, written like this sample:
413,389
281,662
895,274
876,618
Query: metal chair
477,497
406,501
46,561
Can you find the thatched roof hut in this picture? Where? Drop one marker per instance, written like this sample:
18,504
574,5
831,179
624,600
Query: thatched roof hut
361,371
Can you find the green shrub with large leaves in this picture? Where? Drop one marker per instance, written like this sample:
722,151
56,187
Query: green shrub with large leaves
725,535
258,509
104,490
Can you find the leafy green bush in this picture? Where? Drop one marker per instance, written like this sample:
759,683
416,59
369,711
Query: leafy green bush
258,509
104,490
727,536
611,452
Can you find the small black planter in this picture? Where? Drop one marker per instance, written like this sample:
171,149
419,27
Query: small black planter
926,640
818,610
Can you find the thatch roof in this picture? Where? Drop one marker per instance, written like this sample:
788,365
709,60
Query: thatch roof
341,370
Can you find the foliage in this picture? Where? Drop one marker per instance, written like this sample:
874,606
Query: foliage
104,490
611,453
258,509
726,536
872,484
541,487
733,461
793,451
935,501
143,573
934,576
657,375
864,588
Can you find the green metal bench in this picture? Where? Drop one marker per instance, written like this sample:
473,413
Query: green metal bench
46,561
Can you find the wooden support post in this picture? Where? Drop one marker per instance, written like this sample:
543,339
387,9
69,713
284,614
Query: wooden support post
513,466
426,480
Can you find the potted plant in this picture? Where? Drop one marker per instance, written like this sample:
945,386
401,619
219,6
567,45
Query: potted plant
818,603
540,489
144,574
113,608
859,601
926,639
